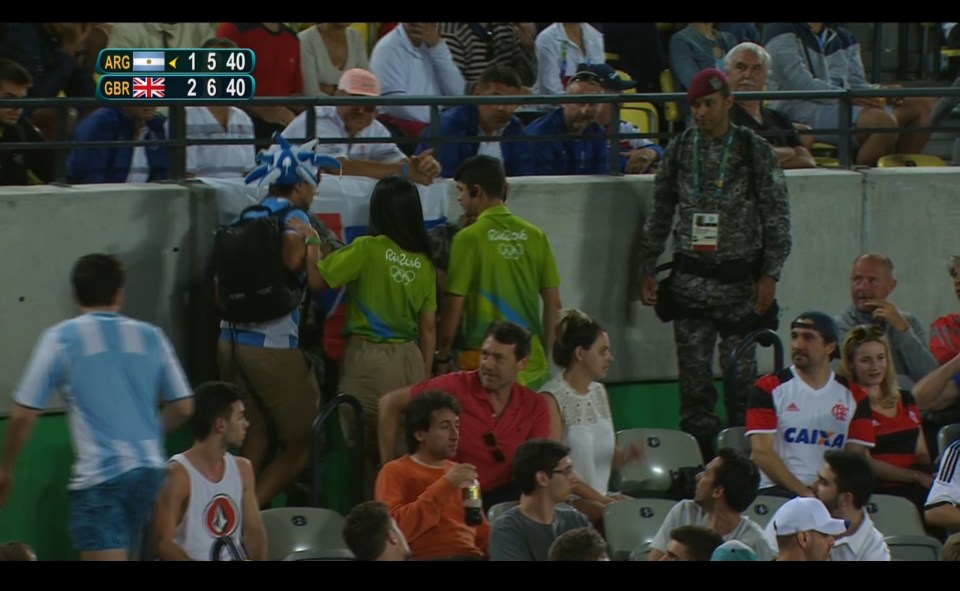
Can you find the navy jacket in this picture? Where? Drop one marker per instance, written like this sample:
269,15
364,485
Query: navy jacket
589,155
112,164
461,121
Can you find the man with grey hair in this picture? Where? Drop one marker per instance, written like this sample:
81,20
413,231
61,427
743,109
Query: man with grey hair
747,66
872,280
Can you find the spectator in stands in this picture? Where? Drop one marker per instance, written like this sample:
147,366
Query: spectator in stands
120,164
501,268
742,32
390,325
725,488
544,472
20,167
371,534
640,52
943,503
747,66
901,458
359,121
219,121
161,35
872,280
794,415
424,489
561,47
17,552
589,155
471,121
55,54
209,493
937,395
477,46
277,72
733,550
945,330
113,372
691,543
583,544
498,413
580,414
637,155
697,47
951,548
414,60
805,530
327,50
942,116
822,56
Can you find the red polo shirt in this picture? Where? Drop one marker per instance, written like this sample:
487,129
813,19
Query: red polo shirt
525,417
277,71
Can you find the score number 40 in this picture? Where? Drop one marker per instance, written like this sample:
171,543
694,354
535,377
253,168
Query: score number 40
235,87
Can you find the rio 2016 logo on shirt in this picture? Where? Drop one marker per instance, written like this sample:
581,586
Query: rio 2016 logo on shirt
402,259
511,251
814,437
506,235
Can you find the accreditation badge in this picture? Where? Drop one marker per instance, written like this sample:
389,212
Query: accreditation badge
705,232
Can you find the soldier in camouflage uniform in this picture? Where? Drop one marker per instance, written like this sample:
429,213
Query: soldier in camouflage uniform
731,238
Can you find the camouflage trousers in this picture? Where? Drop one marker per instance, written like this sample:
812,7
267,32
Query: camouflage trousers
695,341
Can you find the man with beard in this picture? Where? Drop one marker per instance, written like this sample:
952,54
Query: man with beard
472,121
795,415
805,531
588,154
748,65
425,488
844,485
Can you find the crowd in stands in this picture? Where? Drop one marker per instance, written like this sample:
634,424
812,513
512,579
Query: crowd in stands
448,354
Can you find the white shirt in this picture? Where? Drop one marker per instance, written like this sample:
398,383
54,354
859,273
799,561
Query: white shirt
220,161
688,512
214,509
946,486
558,56
865,544
139,165
330,125
406,70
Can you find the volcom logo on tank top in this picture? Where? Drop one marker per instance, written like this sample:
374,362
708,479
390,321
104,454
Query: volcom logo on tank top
220,516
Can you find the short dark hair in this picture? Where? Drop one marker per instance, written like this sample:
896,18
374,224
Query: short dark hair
579,543
96,279
700,541
485,172
419,414
533,456
365,529
212,401
499,74
508,333
14,73
575,329
739,477
854,474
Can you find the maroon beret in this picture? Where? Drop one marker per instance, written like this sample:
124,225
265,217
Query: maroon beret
707,82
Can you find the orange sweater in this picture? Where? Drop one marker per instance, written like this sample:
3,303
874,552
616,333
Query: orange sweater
429,510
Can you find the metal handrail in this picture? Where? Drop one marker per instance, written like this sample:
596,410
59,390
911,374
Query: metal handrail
764,337
318,440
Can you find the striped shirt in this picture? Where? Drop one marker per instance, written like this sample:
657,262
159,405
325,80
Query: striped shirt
474,47
219,161
946,487
112,372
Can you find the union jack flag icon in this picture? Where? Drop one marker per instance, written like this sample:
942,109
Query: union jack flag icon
148,87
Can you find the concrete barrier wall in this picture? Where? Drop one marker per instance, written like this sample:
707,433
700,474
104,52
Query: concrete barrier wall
163,233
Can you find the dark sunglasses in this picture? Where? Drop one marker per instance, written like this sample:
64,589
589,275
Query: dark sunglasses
491,440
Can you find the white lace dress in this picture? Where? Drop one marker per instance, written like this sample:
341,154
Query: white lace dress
587,429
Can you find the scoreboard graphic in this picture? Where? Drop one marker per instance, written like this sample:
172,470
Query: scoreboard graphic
176,75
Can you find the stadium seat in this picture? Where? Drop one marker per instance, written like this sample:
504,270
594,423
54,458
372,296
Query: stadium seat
893,515
499,509
291,530
736,438
664,450
914,548
947,435
628,525
909,160
671,109
762,509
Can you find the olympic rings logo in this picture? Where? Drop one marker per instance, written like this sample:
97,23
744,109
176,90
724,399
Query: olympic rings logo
511,251
404,277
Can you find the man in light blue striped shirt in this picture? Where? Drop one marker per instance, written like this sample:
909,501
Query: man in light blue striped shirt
112,372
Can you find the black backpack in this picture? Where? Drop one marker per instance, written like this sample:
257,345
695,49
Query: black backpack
253,284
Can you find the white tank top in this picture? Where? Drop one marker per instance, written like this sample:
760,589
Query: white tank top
213,510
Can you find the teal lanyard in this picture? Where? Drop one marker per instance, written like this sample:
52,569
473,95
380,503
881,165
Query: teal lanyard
724,161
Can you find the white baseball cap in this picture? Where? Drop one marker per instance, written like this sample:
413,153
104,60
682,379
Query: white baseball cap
806,514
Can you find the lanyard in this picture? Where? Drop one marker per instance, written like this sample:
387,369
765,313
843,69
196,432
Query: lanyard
724,161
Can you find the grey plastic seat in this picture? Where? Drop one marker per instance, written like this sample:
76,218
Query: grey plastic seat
947,435
914,548
628,525
664,450
893,515
499,509
297,529
736,438
762,509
